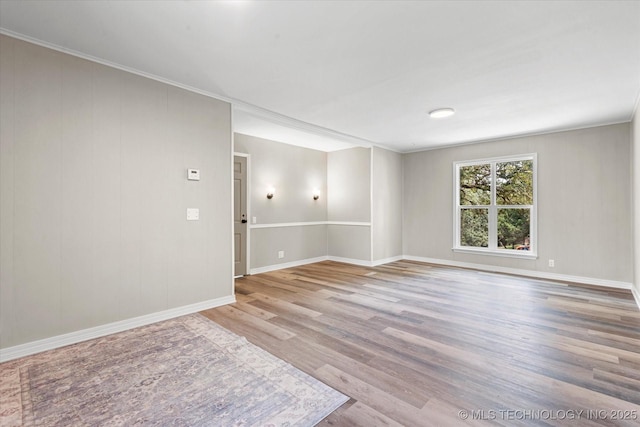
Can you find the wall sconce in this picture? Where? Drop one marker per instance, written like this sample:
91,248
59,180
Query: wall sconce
316,194
270,192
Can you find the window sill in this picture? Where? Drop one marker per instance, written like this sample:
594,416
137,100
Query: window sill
505,253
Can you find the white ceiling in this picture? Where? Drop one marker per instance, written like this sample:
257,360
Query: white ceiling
367,72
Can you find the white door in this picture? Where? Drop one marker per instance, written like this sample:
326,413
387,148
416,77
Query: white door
240,215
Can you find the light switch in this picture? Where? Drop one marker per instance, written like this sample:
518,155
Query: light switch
193,214
193,174
254,220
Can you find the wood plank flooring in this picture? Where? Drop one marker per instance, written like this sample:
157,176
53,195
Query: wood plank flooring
415,344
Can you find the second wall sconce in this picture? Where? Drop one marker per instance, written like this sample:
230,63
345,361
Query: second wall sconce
270,192
316,194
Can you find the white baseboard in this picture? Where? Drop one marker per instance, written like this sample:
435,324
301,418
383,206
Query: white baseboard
482,267
298,263
360,262
365,263
27,349
386,260
529,273
636,296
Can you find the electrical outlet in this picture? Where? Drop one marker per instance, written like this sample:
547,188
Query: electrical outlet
193,214
552,263
280,254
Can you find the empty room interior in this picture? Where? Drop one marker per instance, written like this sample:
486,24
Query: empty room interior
423,213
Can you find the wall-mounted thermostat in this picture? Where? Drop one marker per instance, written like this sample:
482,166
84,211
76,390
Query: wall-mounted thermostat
193,214
193,174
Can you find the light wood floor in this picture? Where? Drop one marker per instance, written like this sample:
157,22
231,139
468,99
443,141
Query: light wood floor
414,344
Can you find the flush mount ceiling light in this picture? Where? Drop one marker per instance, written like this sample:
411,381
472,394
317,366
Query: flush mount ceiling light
441,113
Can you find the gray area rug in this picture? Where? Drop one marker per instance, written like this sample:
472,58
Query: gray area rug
187,371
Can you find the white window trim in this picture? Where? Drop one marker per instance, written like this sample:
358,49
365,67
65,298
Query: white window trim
492,249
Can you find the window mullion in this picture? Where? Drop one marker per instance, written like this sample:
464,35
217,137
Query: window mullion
493,212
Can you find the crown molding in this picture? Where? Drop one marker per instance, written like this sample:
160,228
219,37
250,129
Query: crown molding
517,136
254,110
111,64
286,121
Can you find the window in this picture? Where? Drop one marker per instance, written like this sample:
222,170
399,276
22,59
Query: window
495,206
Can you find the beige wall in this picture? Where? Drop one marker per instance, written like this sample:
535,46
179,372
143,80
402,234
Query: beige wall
635,166
350,242
387,204
349,185
93,195
349,200
298,243
344,178
294,172
584,208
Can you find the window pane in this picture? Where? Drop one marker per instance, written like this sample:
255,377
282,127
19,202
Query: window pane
474,227
514,229
514,183
475,185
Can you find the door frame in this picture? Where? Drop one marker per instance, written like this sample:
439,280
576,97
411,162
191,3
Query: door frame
248,204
